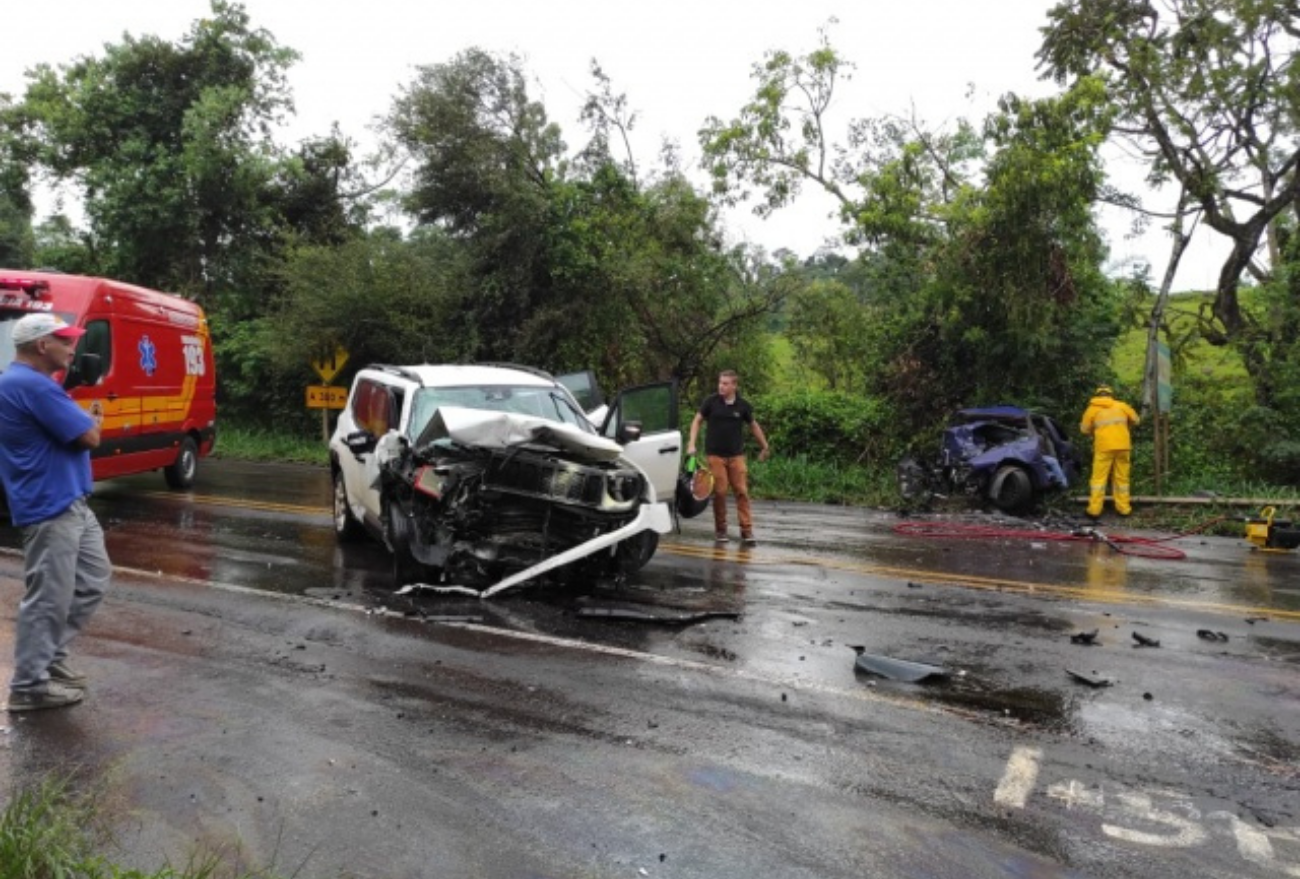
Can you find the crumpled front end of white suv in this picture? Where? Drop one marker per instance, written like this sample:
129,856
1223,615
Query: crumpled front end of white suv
485,501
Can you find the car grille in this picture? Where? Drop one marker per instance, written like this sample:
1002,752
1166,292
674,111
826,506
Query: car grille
553,480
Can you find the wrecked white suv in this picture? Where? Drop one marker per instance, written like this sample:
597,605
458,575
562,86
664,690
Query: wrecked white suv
481,477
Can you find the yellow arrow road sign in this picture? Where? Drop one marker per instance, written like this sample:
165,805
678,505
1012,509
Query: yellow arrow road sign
328,367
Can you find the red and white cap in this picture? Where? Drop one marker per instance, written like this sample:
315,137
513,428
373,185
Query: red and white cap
31,327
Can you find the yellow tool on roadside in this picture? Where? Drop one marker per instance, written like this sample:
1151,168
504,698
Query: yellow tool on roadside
1271,534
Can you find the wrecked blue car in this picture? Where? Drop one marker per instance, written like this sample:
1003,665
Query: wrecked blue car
1004,455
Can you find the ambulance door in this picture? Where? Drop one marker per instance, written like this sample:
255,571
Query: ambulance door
160,366
111,397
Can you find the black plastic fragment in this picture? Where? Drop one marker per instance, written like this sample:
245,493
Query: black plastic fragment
1144,641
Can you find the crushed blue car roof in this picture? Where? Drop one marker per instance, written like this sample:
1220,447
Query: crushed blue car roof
994,412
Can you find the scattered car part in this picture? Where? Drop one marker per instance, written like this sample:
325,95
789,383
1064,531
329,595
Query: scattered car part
896,669
1093,680
1144,641
641,616
1207,635
1086,638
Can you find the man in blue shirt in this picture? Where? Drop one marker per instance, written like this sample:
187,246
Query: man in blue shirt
45,443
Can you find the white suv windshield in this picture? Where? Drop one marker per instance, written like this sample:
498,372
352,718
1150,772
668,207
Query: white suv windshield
548,403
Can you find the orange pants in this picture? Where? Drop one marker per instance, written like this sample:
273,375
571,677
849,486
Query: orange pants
730,473
1110,467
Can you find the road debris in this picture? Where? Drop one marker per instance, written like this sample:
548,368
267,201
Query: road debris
1088,639
670,617
1207,635
896,669
1144,641
1093,680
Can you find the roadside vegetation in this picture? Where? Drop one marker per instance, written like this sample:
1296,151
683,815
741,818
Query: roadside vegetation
49,830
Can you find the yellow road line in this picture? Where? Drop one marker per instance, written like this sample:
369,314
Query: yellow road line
969,581
241,503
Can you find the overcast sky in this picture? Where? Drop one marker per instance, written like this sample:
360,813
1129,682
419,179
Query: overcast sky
678,62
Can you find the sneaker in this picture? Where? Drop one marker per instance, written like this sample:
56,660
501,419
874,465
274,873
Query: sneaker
66,675
749,540
53,696
721,537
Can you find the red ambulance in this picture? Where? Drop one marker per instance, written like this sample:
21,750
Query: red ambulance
145,364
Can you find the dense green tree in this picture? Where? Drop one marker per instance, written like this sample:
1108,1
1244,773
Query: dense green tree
485,158
974,283
171,147
1208,91
382,296
572,263
15,197
60,245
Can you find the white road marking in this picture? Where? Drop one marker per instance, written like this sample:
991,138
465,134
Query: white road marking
1185,832
1018,778
1254,845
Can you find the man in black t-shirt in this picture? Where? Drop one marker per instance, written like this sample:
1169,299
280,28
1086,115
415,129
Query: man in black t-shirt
726,412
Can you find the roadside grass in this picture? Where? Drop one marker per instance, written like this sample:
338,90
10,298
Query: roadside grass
244,443
50,830
818,482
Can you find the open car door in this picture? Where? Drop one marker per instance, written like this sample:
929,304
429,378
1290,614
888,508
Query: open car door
659,450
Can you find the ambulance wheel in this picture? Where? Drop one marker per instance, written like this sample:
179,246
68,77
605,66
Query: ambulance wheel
346,527
180,473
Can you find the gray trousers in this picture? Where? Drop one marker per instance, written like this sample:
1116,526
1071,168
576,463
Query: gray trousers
67,571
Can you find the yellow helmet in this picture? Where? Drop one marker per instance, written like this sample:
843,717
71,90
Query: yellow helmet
1104,391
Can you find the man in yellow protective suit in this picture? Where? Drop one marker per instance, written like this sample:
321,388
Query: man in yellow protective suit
1107,420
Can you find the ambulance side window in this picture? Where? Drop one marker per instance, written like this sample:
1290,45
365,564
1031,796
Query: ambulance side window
98,340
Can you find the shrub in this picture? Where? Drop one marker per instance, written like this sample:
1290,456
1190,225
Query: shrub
828,426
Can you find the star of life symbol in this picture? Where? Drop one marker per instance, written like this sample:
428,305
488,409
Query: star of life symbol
148,356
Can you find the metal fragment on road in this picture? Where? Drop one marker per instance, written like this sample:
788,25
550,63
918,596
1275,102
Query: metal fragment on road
897,669
1087,638
640,616
1093,680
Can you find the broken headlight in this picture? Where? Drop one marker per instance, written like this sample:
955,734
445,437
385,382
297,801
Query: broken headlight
623,487
429,481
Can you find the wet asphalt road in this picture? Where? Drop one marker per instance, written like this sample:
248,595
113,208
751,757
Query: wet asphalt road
343,729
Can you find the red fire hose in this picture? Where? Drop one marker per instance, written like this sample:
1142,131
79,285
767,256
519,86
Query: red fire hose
1144,547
